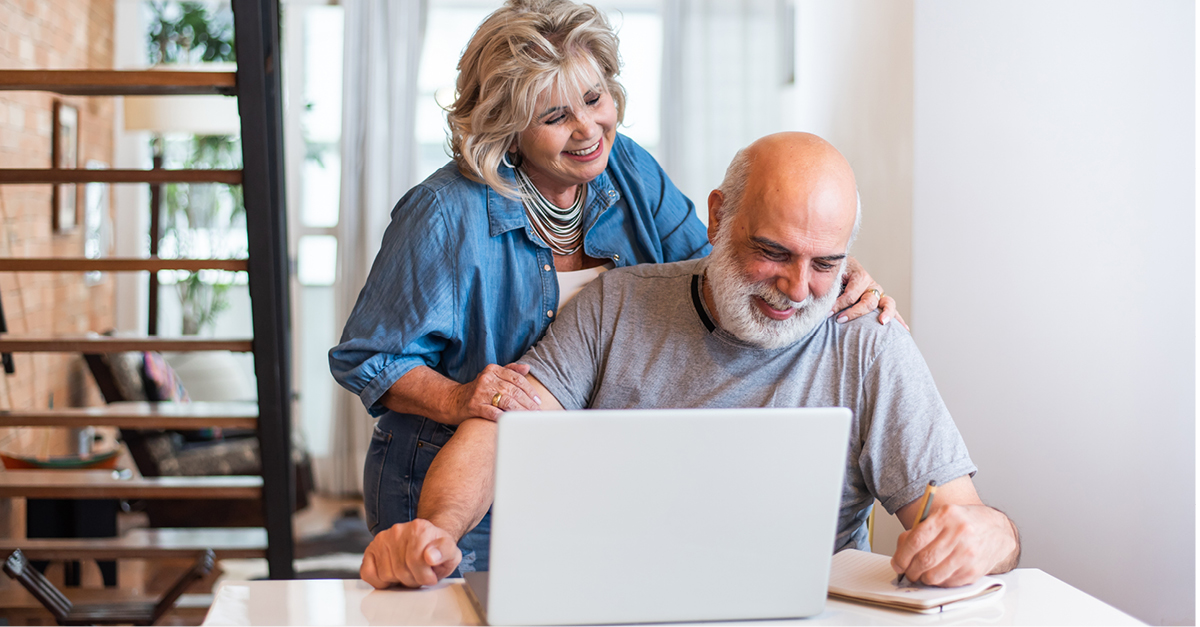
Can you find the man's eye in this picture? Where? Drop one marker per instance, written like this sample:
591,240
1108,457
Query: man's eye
824,266
774,256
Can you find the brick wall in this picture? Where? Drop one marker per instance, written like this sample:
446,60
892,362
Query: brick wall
50,34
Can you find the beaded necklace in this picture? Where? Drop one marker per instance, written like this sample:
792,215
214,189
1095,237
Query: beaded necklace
560,227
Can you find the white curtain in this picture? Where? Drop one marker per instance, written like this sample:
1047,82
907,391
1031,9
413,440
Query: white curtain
726,64
382,59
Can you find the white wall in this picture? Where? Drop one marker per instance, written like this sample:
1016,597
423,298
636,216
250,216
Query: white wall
1053,277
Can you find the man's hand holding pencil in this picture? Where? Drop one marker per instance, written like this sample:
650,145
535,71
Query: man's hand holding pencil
953,539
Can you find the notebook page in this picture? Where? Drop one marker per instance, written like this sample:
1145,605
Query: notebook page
870,576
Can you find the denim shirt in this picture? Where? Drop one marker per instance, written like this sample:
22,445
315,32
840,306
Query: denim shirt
462,280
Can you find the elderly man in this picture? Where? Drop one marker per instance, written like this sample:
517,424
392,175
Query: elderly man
744,327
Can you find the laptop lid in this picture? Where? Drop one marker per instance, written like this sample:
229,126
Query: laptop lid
664,515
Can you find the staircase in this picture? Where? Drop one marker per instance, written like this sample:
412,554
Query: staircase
256,85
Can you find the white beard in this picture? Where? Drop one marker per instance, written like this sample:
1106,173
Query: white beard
738,314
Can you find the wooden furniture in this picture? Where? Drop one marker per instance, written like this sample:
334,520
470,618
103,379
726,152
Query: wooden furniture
256,84
68,613
1032,598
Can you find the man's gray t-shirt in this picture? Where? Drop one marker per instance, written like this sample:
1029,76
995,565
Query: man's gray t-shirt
640,337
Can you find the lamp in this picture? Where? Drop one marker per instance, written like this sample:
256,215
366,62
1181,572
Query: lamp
197,115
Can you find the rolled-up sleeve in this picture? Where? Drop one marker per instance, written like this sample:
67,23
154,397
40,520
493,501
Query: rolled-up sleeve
406,312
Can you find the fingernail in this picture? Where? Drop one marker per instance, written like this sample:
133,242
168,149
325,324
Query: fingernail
842,319
884,320
829,314
537,399
434,555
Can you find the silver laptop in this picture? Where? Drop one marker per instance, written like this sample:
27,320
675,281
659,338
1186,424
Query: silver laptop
644,516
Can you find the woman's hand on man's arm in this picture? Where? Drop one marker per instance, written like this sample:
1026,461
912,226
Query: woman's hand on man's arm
456,494
425,392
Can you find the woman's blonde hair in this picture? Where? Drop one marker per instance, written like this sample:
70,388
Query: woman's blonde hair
521,51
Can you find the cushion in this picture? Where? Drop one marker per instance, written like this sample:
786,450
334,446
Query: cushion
162,384
126,369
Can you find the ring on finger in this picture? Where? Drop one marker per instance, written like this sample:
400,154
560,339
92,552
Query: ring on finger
878,292
496,398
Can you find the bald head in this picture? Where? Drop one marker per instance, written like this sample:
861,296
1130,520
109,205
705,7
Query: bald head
794,176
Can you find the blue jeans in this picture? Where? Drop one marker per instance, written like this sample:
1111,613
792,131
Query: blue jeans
402,447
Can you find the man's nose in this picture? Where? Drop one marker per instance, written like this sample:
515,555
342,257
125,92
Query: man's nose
794,283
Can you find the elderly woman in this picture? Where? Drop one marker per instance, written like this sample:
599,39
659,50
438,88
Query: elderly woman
542,196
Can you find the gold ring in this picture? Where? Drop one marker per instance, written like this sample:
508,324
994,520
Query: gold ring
496,400
878,294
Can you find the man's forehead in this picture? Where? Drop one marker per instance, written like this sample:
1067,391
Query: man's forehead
817,217
798,232
799,192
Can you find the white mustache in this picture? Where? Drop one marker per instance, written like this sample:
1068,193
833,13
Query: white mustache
779,301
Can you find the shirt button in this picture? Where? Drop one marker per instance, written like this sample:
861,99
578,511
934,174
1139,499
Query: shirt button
550,314
616,257
546,267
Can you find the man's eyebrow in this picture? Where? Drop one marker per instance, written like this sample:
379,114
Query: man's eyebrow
780,248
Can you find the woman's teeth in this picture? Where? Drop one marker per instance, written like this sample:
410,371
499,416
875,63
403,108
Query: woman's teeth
585,151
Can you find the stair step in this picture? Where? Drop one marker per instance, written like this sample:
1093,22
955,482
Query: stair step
20,606
35,176
118,264
140,415
120,82
233,542
106,484
106,344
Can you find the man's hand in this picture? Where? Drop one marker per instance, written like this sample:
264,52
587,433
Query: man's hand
960,541
412,554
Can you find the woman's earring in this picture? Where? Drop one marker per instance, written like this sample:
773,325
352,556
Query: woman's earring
516,157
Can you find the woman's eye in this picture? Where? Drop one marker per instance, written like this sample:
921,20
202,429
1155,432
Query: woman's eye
592,100
555,120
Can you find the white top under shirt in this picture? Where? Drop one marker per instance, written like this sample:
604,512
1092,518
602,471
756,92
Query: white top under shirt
569,283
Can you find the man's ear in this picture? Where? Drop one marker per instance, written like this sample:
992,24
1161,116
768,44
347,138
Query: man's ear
715,200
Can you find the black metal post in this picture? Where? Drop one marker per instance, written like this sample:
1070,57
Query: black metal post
156,191
260,103
6,358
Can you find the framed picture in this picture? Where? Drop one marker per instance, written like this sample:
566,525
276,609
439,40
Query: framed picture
65,154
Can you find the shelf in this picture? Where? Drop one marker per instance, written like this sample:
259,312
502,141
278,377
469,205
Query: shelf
116,264
140,415
120,82
38,176
103,484
233,542
106,344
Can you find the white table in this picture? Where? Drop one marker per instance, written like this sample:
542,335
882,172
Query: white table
1032,598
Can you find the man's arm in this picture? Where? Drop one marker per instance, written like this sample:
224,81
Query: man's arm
961,540
455,496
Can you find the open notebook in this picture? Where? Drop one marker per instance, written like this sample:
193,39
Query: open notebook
868,578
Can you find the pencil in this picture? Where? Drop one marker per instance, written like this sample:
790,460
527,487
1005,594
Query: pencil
925,506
